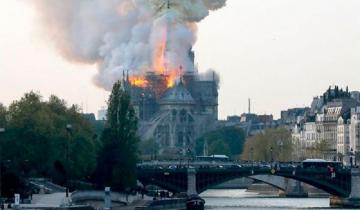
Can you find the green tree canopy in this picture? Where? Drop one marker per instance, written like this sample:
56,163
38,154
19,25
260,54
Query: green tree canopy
259,147
319,149
219,146
226,140
36,139
2,116
118,157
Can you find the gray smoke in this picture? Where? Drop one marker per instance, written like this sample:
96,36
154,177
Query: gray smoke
123,35
210,75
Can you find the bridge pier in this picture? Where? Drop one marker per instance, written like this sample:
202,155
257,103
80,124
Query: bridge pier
294,189
193,201
191,182
354,198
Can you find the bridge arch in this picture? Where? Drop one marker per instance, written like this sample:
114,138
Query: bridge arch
272,180
176,180
180,185
338,186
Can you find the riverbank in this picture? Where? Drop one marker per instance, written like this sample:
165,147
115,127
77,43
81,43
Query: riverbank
268,190
148,203
242,200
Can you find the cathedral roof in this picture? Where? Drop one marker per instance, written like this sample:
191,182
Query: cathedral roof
177,95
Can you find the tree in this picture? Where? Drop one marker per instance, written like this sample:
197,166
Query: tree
119,154
320,148
275,142
229,139
219,147
36,139
3,112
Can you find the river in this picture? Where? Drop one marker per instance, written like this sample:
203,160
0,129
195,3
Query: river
239,199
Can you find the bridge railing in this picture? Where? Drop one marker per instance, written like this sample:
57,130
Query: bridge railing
177,164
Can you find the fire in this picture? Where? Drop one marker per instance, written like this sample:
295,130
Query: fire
138,81
172,75
161,66
159,60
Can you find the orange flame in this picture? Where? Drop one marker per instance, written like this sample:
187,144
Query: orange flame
172,75
159,60
138,81
160,64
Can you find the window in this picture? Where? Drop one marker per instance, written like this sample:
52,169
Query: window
183,115
190,118
180,141
174,113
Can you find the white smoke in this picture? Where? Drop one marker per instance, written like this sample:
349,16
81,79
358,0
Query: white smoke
123,35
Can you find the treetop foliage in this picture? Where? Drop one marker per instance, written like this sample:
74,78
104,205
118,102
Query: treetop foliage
227,140
119,154
275,142
36,136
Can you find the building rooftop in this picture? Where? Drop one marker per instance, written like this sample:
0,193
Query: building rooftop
177,95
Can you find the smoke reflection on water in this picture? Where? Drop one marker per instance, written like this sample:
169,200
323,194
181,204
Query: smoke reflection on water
239,199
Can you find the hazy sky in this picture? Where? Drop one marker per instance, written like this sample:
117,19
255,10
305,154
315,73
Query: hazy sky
280,53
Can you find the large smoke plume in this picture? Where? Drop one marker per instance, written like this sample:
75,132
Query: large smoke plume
124,35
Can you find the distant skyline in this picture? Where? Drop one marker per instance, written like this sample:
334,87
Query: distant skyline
279,53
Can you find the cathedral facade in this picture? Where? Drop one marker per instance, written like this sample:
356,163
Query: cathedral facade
175,116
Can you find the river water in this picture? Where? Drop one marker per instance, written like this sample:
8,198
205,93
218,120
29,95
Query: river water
239,199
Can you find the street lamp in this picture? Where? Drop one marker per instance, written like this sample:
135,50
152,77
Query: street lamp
355,157
188,156
68,128
2,130
280,143
252,154
67,174
180,156
351,157
26,167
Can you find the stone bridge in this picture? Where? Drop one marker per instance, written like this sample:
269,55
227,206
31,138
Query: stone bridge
289,187
343,184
